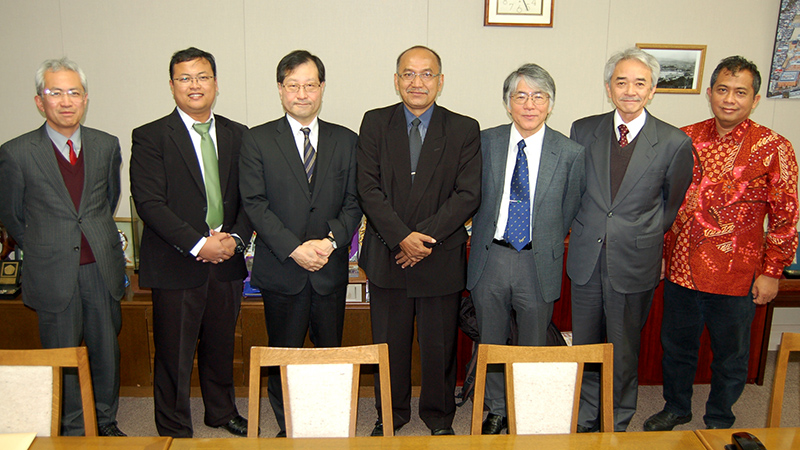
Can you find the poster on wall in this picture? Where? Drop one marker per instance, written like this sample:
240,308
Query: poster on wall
784,74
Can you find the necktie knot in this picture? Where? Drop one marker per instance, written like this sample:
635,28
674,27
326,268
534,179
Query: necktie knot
306,131
521,145
202,128
623,135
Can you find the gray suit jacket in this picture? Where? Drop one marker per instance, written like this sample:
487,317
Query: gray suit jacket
559,185
39,213
632,227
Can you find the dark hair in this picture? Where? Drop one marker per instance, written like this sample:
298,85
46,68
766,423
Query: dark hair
736,64
190,54
297,58
421,47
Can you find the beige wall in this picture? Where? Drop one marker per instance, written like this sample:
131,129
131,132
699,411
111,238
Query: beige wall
124,47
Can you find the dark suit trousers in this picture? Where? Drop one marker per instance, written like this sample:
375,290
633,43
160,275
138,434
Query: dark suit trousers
92,315
185,320
509,282
392,315
601,314
289,318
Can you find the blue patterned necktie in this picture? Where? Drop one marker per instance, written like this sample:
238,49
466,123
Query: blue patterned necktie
309,155
518,228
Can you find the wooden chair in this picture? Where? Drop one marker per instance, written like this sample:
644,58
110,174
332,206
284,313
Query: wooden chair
29,369
529,399
320,388
790,342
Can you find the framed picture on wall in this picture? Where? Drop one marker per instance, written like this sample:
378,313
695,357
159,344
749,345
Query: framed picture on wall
681,67
784,73
518,13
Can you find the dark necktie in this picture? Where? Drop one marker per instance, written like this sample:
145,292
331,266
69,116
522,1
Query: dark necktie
623,135
214,213
309,155
518,228
414,146
73,157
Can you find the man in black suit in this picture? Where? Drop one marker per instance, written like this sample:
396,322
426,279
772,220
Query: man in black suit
298,185
185,182
419,179
637,171
59,189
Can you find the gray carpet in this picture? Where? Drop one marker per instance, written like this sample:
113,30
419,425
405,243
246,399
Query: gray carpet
135,415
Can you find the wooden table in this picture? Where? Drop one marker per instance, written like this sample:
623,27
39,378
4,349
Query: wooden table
101,443
667,440
772,438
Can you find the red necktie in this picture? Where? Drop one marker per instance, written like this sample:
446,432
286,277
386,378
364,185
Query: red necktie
73,158
623,135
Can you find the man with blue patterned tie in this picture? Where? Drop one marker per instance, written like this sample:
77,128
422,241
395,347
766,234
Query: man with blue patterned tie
533,178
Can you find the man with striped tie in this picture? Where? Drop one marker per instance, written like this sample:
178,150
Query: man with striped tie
298,185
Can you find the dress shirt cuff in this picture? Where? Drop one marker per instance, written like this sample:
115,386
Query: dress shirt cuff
196,249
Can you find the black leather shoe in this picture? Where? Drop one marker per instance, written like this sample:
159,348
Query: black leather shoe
281,434
494,424
716,427
447,431
665,421
378,430
110,430
236,426
583,429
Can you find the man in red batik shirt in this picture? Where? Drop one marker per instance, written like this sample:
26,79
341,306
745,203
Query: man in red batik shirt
719,262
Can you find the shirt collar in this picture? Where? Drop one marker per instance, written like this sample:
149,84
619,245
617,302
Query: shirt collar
533,141
296,126
188,121
61,141
634,126
737,134
425,117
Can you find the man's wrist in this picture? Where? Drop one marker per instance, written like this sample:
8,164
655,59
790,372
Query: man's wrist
330,238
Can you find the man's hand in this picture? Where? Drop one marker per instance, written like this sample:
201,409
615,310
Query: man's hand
663,268
413,249
764,289
219,247
307,257
324,247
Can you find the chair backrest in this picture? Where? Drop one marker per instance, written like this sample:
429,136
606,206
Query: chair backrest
30,381
790,342
543,397
316,378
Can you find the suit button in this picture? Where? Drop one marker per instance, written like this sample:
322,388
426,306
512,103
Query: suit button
610,214
487,247
312,209
599,240
80,220
77,249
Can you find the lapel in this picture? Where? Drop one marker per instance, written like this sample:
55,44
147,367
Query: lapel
91,160
548,161
399,157
288,148
641,159
326,147
43,154
224,154
180,137
600,152
432,150
498,156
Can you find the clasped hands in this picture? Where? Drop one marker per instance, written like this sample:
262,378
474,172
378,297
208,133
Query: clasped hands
313,254
219,247
413,249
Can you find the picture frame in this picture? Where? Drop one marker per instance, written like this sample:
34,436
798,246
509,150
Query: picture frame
784,72
518,13
681,67
125,229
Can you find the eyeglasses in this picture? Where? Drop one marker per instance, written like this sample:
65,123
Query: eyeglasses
58,94
424,76
186,80
539,98
294,87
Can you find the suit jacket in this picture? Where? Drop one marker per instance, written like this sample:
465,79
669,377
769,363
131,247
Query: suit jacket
285,212
444,195
631,227
559,184
169,192
39,213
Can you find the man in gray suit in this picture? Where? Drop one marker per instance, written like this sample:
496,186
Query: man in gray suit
533,178
637,171
59,191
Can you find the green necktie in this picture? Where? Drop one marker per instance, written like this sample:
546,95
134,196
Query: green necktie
214,212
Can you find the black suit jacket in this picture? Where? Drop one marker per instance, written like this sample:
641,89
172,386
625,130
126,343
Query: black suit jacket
285,212
168,189
445,193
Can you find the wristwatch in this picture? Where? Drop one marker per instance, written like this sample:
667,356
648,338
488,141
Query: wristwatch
239,244
330,238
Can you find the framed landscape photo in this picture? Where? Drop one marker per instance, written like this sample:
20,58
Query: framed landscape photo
681,67
518,13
